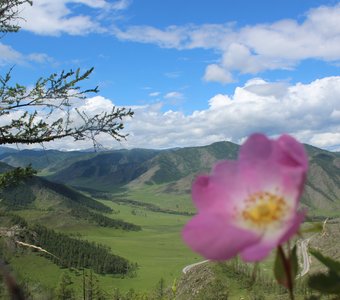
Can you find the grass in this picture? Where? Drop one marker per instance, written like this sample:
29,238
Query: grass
153,194
35,268
157,249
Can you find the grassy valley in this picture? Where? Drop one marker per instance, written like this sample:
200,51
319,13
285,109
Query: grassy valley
136,202
157,248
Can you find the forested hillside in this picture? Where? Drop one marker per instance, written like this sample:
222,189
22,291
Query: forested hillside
173,170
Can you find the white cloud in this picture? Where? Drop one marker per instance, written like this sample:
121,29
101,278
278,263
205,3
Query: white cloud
94,3
169,38
154,94
254,48
50,17
9,56
40,58
303,110
121,4
218,74
326,139
174,95
219,101
310,112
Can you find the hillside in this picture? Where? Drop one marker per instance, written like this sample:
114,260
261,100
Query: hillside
146,189
110,170
174,165
57,203
107,170
41,160
322,192
169,172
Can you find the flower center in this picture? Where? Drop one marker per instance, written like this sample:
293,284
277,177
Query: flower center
263,208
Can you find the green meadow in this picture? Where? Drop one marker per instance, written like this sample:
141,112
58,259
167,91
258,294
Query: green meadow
155,194
157,249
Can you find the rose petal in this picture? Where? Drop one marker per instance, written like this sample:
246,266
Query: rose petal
291,153
214,237
292,184
208,191
257,148
258,252
225,171
293,226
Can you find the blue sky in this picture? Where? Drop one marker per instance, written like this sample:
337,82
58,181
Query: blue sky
194,72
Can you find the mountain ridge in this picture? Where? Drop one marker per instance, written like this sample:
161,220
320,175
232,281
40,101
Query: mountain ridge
172,170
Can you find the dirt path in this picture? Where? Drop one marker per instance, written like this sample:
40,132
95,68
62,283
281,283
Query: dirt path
305,257
189,267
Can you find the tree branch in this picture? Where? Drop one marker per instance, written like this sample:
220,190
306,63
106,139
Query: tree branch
57,94
9,12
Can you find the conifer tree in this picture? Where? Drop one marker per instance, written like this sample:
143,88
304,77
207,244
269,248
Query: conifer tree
160,289
64,289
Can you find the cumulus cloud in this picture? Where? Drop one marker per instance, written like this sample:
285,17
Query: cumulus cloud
310,112
218,74
252,49
50,17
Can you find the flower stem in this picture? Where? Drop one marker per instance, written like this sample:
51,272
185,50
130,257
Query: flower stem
254,273
288,270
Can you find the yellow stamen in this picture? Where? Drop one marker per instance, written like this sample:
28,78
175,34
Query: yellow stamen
264,208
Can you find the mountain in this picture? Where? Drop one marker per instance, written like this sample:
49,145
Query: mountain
322,192
59,204
173,165
175,169
8,150
41,160
171,171
121,167
156,194
107,170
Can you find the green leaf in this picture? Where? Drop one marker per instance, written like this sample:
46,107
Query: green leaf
279,270
293,259
174,287
325,283
330,263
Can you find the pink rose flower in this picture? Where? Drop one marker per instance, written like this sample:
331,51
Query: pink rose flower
249,206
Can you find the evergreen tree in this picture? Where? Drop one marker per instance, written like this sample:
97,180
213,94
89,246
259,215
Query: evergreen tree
160,289
64,290
91,289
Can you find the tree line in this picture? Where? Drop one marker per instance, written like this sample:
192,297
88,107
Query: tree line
75,253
